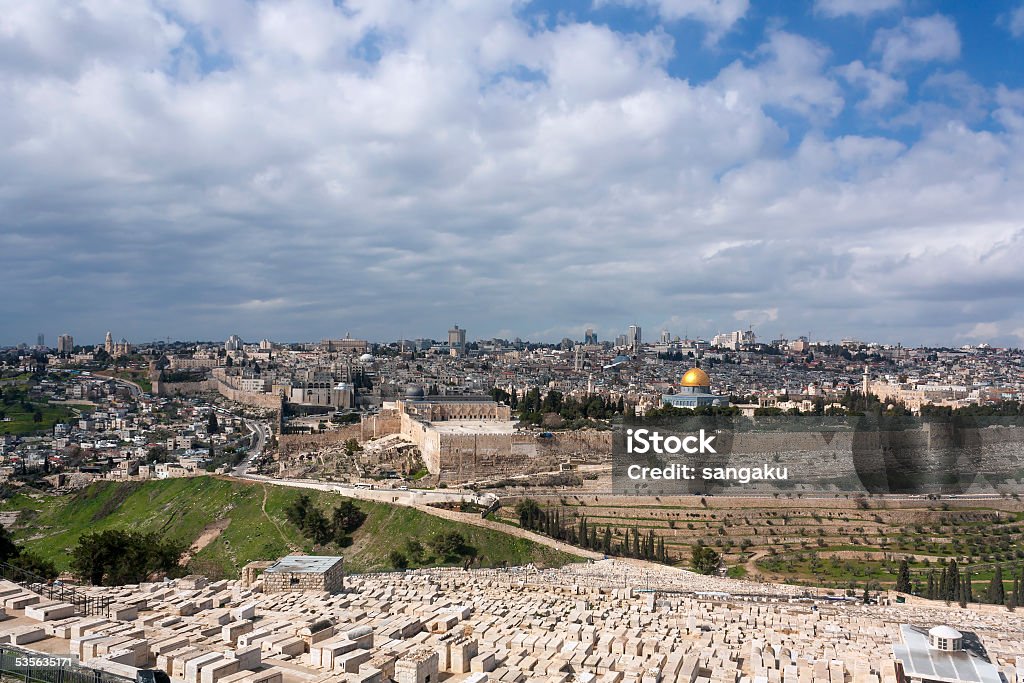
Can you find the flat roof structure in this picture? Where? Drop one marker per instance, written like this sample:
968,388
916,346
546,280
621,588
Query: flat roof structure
474,426
922,662
304,564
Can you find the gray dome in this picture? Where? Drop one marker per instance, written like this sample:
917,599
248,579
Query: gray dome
414,391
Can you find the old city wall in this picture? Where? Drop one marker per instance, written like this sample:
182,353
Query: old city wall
299,443
270,401
463,457
425,438
471,456
582,445
985,456
369,427
383,423
216,383
183,388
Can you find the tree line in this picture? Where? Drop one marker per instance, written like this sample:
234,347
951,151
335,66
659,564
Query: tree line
951,585
579,532
531,408
321,529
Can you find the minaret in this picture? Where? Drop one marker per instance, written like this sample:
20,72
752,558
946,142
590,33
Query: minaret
866,382
108,344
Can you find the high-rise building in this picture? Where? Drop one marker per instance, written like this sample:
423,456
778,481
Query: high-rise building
457,339
590,337
665,337
734,340
65,343
634,338
41,340
234,343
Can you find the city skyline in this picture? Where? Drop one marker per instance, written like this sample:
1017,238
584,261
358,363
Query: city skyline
528,169
611,335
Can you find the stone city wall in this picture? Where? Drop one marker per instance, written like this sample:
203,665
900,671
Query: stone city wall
249,398
299,443
183,388
369,427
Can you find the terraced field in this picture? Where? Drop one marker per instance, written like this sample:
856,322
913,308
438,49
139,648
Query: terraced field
843,542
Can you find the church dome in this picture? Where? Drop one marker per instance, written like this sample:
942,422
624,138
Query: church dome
695,377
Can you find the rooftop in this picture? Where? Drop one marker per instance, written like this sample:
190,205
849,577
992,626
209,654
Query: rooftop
304,564
970,665
474,426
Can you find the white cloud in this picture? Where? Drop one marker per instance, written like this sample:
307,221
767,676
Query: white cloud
918,39
882,90
392,164
980,332
1014,21
790,75
718,15
756,317
860,8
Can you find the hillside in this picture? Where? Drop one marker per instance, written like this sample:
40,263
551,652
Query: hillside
230,523
837,543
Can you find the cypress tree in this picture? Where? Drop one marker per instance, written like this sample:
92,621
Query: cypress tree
903,577
996,594
953,581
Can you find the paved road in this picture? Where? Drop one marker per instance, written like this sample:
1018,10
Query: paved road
134,389
262,432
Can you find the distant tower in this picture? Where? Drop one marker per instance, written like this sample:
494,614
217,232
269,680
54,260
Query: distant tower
865,382
108,344
634,338
457,339
65,343
665,337
41,340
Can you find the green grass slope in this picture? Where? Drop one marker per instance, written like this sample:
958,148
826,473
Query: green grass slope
240,522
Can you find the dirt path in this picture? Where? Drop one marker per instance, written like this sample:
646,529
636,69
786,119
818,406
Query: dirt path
280,531
754,572
206,537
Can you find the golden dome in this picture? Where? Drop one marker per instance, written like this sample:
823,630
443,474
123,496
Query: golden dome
695,377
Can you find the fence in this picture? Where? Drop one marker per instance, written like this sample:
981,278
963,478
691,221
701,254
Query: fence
85,605
38,667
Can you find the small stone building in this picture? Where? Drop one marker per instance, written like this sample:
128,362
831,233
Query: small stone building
419,666
305,573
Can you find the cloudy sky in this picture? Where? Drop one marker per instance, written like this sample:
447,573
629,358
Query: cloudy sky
296,170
